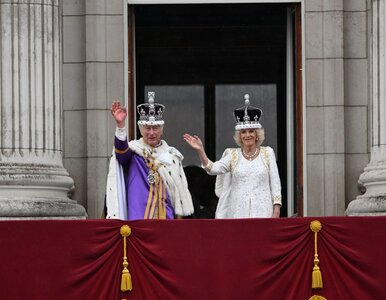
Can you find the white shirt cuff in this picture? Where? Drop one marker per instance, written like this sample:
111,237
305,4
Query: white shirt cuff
120,133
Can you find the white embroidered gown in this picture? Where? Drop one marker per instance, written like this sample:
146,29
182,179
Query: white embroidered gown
248,188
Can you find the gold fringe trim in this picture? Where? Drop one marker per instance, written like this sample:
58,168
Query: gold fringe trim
317,282
233,158
209,166
264,153
126,283
121,151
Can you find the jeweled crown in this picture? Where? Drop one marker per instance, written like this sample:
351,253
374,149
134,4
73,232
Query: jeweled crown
150,113
247,116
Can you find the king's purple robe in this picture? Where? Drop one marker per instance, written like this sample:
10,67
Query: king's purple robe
137,183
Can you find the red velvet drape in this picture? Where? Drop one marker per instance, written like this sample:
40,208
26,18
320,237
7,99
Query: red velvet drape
193,259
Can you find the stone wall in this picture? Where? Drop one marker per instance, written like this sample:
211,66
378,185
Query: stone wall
337,99
92,78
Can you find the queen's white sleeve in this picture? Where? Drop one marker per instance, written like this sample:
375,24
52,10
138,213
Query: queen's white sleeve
221,166
274,178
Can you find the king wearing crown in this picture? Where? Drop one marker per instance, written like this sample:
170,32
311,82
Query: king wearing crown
146,178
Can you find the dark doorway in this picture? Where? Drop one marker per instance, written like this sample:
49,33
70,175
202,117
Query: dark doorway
201,59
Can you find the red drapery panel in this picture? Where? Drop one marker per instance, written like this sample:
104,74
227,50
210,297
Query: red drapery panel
193,259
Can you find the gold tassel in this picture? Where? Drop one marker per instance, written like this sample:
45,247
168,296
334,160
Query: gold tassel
317,282
317,297
126,283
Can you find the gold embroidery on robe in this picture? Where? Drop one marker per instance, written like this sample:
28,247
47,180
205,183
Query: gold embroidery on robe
156,201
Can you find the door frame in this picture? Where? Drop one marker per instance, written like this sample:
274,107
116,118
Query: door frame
296,157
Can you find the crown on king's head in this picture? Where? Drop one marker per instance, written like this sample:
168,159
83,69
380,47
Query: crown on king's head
247,116
150,113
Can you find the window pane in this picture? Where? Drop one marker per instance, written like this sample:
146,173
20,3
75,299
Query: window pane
184,113
230,97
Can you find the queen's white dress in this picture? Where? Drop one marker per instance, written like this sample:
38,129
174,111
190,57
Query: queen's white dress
246,188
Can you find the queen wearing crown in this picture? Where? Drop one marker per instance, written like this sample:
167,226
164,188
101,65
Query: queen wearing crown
248,183
146,178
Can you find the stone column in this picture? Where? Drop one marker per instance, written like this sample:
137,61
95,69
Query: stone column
33,181
373,201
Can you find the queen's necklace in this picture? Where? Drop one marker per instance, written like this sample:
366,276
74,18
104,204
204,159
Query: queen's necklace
250,157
